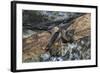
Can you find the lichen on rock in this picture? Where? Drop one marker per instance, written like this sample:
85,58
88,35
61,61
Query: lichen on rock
77,46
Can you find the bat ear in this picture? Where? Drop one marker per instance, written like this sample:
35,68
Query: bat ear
67,35
64,37
70,33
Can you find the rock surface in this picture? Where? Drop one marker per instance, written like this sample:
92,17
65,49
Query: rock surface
34,45
81,26
79,49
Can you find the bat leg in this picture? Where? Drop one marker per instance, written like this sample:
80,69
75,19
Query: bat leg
62,47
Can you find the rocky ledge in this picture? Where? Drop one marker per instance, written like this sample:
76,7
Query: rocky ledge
79,48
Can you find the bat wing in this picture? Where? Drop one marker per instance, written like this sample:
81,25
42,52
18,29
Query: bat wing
52,40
